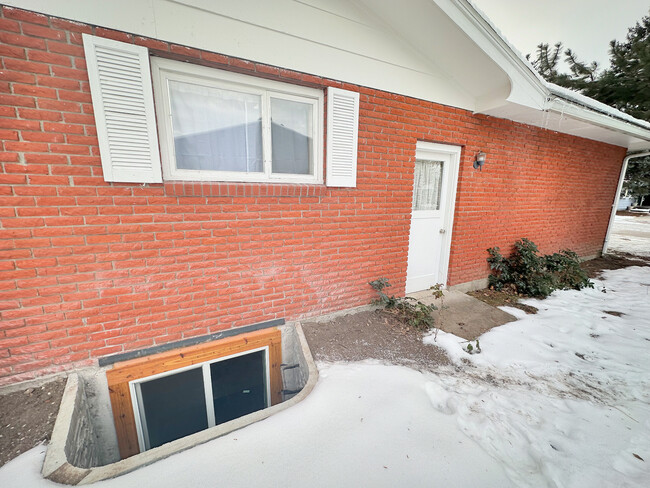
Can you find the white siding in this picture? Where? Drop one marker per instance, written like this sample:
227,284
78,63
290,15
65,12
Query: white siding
333,38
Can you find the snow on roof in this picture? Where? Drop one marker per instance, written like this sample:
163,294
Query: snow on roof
559,91
590,103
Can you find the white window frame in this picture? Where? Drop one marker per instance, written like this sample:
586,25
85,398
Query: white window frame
138,406
165,70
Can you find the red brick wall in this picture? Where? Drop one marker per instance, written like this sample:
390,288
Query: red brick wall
89,268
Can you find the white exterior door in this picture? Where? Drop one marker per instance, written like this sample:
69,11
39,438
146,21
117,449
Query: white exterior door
434,194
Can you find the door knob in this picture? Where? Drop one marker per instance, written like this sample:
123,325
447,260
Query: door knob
442,231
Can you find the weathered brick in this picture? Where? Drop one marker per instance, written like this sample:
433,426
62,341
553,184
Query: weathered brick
25,15
92,268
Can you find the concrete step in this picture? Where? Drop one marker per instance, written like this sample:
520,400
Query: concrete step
463,315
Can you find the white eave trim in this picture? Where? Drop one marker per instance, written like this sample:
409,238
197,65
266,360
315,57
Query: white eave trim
491,41
551,98
571,109
489,30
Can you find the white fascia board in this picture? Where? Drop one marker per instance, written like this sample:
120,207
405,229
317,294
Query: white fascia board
606,121
527,88
590,103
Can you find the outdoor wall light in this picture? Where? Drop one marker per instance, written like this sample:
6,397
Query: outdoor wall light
479,160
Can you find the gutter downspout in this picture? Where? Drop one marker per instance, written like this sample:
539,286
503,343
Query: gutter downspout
618,193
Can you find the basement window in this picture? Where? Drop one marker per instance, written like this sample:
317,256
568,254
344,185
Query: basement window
184,401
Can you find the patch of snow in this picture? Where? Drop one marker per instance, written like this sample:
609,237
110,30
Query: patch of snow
556,399
515,312
363,425
562,398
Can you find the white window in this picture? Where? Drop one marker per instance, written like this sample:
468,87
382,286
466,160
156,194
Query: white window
220,126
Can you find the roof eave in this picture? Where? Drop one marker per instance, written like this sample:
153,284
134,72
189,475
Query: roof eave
549,96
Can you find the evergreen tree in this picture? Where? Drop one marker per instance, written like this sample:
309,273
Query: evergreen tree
546,61
624,85
583,76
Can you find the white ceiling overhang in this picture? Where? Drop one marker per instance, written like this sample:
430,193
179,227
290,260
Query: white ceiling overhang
534,101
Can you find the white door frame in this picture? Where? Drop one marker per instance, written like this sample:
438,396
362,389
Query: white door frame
425,150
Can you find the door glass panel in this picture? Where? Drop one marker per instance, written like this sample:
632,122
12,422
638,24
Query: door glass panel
427,185
174,406
238,386
292,138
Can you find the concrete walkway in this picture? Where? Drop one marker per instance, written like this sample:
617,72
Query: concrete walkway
631,233
463,315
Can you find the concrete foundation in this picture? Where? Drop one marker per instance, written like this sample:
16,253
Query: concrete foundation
470,286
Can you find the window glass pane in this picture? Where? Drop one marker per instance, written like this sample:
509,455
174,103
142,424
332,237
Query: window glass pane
427,186
238,386
215,129
174,406
292,137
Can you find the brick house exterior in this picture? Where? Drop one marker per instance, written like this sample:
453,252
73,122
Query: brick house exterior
91,268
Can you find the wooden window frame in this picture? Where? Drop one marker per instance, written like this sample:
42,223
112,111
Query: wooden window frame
123,373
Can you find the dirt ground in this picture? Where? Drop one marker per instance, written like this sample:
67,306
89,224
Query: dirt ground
372,334
632,214
27,418
617,260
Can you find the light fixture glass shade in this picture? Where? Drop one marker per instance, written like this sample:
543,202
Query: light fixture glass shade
479,160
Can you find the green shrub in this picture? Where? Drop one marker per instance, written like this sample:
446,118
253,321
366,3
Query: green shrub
528,273
410,310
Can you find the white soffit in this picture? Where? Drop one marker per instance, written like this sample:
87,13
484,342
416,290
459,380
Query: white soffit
425,27
534,101
566,123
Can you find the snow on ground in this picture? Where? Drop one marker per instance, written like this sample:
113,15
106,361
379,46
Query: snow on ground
631,234
562,398
364,425
556,399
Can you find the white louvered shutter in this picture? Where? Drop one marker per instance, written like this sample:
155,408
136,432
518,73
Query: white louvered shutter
342,137
120,85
